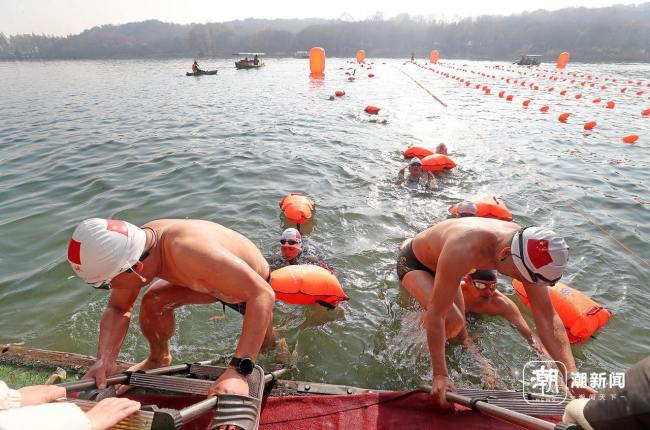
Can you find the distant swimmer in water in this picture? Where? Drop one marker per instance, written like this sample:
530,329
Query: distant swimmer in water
294,251
441,149
192,262
433,263
416,174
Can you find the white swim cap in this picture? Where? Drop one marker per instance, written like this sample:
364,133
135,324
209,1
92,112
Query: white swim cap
291,234
101,249
415,160
466,208
539,254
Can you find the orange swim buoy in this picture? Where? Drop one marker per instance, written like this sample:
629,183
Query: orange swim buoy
645,112
509,98
417,151
339,93
580,315
486,207
544,108
297,208
610,105
590,125
437,162
307,284
371,75
631,138
564,116
525,103
372,110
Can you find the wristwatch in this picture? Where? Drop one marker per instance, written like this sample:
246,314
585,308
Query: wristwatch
243,365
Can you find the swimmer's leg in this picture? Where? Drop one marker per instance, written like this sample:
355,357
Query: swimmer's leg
420,284
157,316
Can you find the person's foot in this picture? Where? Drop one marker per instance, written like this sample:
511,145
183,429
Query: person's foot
108,412
149,363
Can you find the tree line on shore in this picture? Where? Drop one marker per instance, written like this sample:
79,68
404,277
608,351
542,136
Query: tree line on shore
611,34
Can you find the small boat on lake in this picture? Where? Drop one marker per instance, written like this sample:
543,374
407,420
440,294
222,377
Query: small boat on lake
250,60
529,60
201,73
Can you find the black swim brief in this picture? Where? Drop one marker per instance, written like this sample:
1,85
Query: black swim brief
407,262
241,307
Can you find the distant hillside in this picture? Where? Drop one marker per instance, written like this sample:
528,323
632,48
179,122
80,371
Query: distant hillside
618,33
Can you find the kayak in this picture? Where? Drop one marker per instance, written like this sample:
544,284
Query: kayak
291,404
201,72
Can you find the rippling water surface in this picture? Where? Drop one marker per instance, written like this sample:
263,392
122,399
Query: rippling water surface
138,140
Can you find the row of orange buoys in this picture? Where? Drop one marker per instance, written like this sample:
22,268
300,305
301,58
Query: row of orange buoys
555,78
526,103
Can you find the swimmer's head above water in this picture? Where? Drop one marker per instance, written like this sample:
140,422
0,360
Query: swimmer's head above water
291,244
466,208
485,281
415,167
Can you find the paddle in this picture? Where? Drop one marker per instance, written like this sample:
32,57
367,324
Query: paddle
484,407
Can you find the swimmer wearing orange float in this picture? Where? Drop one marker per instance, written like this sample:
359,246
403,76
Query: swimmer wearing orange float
416,174
432,264
294,251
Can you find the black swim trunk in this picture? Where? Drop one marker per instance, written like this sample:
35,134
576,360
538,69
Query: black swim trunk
407,262
241,307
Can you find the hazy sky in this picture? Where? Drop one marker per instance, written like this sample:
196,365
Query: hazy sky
62,17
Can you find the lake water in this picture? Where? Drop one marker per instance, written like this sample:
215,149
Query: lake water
138,140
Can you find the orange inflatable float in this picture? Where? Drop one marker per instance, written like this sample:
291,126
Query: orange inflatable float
417,151
372,110
307,284
437,162
317,61
297,208
485,207
580,315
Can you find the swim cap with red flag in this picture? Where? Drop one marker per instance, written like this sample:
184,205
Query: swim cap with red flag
539,254
101,249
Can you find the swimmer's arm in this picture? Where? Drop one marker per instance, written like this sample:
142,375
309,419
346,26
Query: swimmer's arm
115,323
511,313
400,176
489,375
431,179
549,327
445,289
317,261
234,278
